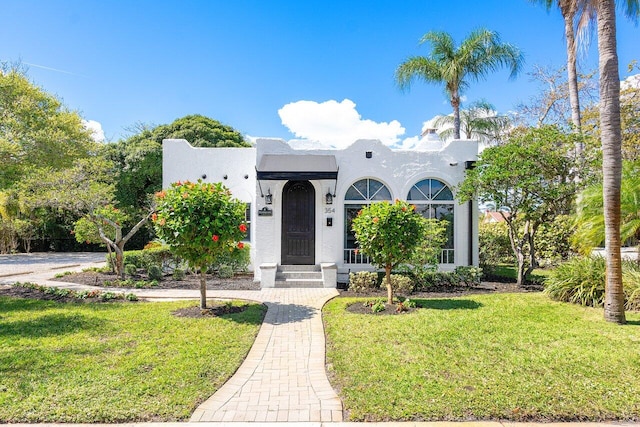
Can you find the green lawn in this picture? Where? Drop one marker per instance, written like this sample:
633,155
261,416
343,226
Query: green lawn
502,356
114,362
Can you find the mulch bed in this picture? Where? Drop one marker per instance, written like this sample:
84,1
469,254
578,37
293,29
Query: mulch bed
28,293
212,311
243,281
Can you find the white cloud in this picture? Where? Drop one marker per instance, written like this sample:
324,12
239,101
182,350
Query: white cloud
631,82
96,130
335,124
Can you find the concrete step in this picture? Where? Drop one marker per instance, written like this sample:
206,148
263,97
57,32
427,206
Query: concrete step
282,275
299,283
298,268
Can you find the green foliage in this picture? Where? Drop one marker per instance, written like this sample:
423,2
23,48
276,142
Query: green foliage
534,176
131,269
388,233
238,259
138,159
63,292
86,228
454,66
178,274
581,280
465,276
201,222
376,305
363,281
553,240
154,272
401,284
36,129
494,245
225,271
589,218
426,254
146,257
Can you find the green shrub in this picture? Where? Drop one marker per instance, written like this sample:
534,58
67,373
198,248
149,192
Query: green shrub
225,271
581,280
631,279
178,274
401,284
494,245
238,259
147,257
468,275
363,281
154,272
130,269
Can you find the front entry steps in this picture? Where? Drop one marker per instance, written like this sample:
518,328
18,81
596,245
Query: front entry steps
299,276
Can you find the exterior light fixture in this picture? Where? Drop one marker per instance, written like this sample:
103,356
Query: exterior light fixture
268,198
328,198
204,176
225,176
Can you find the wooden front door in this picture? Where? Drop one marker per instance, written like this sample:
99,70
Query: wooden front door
298,223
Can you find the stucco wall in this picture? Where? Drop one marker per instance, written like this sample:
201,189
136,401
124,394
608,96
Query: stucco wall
234,167
399,170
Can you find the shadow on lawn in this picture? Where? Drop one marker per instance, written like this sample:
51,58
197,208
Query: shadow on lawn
47,325
448,304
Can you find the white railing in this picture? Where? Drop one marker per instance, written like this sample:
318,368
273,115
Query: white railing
353,256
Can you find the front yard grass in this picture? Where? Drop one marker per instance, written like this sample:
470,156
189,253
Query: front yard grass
115,362
488,357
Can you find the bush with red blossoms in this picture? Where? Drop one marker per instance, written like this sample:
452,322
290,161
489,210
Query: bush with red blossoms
200,222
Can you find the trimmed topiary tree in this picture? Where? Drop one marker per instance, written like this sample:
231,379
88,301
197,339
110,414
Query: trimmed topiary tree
201,223
389,234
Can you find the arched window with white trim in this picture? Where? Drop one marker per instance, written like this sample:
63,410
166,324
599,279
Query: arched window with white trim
434,200
359,194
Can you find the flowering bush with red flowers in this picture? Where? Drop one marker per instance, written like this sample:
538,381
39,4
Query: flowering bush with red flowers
201,223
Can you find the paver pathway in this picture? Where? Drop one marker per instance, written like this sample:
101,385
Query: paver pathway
283,377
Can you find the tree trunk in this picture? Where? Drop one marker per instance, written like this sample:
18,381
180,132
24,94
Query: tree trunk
611,139
203,288
568,13
387,276
119,261
522,274
455,103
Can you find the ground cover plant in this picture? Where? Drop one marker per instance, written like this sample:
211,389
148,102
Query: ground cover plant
116,362
501,356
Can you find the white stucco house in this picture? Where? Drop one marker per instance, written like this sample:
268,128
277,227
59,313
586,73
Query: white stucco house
300,202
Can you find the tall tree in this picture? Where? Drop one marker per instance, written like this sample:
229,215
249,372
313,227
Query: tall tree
568,9
479,122
455,66
533,176
611,138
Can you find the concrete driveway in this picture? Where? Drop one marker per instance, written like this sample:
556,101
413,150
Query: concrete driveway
40,262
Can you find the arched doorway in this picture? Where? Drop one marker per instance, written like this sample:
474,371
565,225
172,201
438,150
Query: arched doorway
298,223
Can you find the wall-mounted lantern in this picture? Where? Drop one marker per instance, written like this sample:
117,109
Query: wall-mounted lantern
268,198
328,198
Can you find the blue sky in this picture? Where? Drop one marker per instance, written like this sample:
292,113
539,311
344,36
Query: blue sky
241,61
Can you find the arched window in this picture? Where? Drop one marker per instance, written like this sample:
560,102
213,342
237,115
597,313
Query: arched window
361,193
434,200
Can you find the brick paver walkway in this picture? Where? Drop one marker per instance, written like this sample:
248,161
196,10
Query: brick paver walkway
283,377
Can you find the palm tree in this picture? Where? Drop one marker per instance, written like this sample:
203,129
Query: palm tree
479,122
568,9
481,52
611,139
590,217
